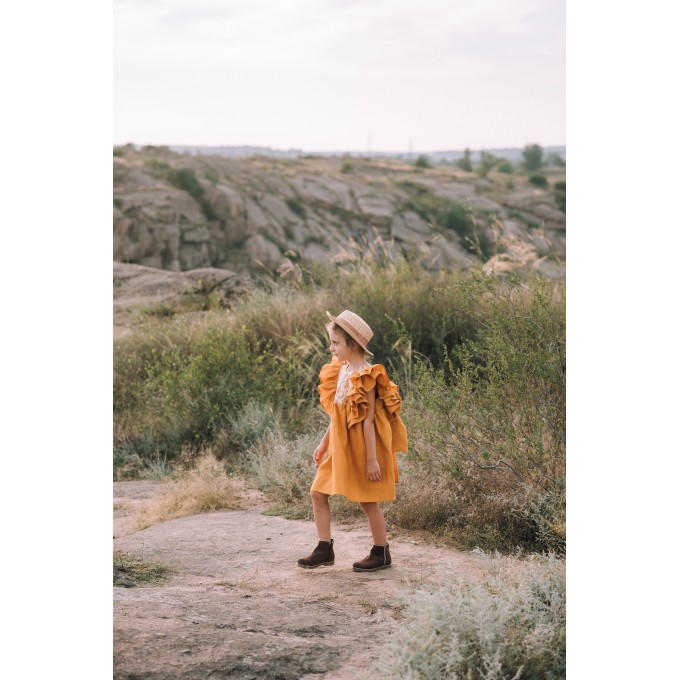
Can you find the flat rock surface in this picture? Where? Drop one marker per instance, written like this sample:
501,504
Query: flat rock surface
237,606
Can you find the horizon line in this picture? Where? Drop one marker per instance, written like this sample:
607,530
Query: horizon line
303,150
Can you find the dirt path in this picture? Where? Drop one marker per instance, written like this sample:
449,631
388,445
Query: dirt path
237,606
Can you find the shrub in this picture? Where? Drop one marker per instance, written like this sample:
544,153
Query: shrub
465,163
284,468
538,180
505,166
486,163
447,214
556,159
422,162
346,167
252,423
204,488
488,429
296,206
511,625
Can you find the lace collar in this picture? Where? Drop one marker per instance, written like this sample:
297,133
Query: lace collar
344,382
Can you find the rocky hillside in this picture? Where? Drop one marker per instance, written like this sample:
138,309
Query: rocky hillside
183,212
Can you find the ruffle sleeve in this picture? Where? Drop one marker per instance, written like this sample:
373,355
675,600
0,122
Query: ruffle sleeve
362,383
329,382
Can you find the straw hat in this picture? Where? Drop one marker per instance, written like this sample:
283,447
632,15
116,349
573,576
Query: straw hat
355,326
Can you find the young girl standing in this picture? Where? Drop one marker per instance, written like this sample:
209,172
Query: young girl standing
362,439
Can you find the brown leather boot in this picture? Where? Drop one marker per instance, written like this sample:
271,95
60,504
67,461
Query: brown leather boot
379,558
321,555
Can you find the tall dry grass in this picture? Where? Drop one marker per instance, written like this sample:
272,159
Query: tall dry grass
204,488
487,431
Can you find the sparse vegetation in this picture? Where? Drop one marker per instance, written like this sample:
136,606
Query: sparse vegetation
288,231
560,194
557,160
297,207
422,162
130,569
184,179
346,167
539,180
312,238
465,163
447,214
512,625
487,163
203,488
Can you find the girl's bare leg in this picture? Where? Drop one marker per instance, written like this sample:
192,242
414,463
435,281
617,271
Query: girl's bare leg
322,515
376,522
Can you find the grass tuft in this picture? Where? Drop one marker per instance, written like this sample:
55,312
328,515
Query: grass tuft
129,570
205,488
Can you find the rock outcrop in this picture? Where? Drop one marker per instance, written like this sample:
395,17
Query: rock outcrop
137,288
180,213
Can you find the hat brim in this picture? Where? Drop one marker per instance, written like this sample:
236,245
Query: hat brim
349,331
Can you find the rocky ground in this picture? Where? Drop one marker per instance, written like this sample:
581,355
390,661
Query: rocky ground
236,605
181,212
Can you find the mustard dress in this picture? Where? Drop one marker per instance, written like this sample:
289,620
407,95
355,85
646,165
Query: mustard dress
343,397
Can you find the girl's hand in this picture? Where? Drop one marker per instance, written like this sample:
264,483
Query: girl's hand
373,470
318,453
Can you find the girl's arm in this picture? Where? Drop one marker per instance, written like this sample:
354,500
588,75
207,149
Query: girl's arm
372,466
321,448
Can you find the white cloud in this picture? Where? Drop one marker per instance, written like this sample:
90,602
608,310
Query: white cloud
381,62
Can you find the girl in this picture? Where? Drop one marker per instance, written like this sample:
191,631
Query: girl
365,433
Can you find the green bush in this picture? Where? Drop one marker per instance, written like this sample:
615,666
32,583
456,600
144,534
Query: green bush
560,194
538,180
505,166
465,163
487,162
447,214
556,159
511,625
488,429
283,467
296,206
184,179
422,162
346,167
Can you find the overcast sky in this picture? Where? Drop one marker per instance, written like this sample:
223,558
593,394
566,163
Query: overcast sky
348,75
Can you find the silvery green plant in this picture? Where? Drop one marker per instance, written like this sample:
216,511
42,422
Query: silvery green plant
509,625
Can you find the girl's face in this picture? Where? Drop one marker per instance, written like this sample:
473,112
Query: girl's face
339,348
